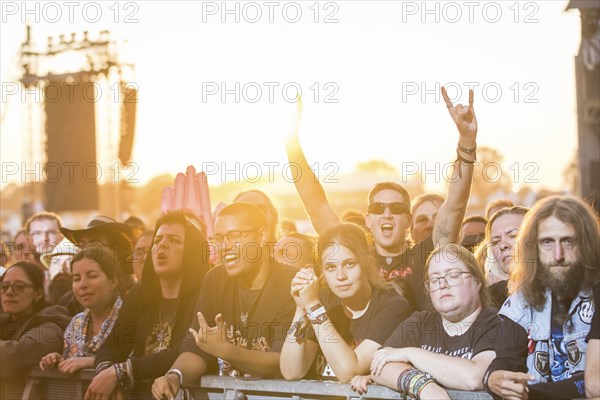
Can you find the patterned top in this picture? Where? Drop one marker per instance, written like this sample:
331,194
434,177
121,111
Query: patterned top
77,341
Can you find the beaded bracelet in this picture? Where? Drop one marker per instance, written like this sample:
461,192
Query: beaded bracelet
129,370
423,380
120,374
404,379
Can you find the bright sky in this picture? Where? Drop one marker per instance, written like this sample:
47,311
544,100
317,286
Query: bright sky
375,61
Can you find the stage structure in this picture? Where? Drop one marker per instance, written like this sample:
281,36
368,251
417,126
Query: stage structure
81,121
587,73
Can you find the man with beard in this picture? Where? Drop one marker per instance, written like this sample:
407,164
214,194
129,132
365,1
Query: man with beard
541,350
389,216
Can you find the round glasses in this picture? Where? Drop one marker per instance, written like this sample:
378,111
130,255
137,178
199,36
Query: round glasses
453,278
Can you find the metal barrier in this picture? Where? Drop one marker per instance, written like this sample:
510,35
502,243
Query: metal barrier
51,385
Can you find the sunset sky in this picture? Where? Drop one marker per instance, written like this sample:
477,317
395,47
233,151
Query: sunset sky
374,61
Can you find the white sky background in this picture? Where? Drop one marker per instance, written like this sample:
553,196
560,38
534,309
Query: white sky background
371,54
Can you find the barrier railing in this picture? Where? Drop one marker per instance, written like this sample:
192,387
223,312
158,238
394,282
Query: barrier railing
51,385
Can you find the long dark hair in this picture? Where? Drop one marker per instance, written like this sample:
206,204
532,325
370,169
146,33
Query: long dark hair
195,260
36,276
354,238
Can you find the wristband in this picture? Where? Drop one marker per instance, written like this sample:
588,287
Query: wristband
465,150
175,371
313,308
461,158
319,318
319,311
297,331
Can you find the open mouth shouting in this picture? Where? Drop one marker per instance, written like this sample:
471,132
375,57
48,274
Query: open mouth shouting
387,228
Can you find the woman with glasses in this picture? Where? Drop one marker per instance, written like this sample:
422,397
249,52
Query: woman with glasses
450,347
350,319
96,285
28,330
157,313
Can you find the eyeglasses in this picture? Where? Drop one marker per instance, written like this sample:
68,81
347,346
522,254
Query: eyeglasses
453,278
231,236
396,208
17,287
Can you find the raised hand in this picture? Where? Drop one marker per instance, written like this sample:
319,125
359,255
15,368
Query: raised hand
309,294
212,340
464,117
303,278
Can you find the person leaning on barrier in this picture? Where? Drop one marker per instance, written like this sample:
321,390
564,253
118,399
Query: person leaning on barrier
28,329
155,314
547,317
349,321
451,346
96,285
246,296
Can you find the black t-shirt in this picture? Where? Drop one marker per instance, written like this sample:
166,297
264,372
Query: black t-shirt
267,313
407,271
425,329
499,293
594,332
386,310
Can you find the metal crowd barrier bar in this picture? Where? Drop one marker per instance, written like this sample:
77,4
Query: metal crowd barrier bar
51,385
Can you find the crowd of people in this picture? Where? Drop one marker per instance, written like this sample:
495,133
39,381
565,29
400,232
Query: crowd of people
410,295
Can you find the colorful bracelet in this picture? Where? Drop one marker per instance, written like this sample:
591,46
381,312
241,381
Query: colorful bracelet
120,374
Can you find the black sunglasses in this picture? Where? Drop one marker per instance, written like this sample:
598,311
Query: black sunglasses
396,208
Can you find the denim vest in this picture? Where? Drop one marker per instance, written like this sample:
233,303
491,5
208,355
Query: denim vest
538,326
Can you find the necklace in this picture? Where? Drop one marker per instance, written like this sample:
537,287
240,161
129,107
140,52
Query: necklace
243,314
251,298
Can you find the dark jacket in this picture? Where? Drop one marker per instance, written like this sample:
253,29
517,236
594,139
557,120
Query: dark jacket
26,340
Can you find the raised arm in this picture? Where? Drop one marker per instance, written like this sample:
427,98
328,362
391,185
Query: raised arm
446,228
262,364
321,215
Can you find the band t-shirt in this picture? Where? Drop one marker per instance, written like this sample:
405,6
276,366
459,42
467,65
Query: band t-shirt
407,272
595,326
425,329
385,311
255,319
